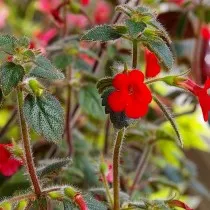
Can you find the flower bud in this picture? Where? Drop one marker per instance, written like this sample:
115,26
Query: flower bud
103,168
55,195
35,87
74,7
5,206
21,205
79,200
70,192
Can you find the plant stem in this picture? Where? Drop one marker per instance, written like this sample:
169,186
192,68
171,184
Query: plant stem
141,166
116,158
106,137
106,186
68,116
26,144
135,54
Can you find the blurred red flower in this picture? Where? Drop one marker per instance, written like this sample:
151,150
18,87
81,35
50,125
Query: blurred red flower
102,12
179,2
203,94
77,20
205,32
177,203
152,64
84,2
131,94
8,164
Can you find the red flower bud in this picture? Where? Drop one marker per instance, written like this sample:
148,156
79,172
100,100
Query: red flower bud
84,2
79,200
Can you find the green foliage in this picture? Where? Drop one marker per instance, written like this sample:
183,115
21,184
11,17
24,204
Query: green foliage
45,115
104,83
68,204
10,75
170,119
53,166
45,70
61,61
135,28
101,33
90,101
7,43
160,48
93,204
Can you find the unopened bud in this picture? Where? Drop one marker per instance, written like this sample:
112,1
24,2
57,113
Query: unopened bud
70,192
36,87
55,195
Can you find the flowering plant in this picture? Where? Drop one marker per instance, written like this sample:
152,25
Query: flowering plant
80,70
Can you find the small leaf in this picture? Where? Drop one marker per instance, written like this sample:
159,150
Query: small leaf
68,204
61,61
101,33
55,165
7,43
170,119
104,83
94,204
89,100
160,48
10,75
45,115
81,65
45,70
23,42
135,28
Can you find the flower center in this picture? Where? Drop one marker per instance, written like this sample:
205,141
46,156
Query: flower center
130,89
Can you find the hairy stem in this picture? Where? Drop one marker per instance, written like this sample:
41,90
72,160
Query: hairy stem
135,54
116,160
141,166
106,137
106,186
68,116
26,144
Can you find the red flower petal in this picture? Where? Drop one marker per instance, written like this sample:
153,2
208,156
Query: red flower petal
117,101
136,108
136,77
205,32
120,81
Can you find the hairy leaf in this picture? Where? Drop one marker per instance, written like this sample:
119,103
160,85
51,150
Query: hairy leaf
89,100
101,33
10,75
94,204
53,166
7,43
170,119
45,70
45,115
68,204
61,61
135,28
104,83
160,48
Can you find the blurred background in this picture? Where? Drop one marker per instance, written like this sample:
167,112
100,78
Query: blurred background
56,32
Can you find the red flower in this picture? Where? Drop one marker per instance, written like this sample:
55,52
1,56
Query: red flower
8,164
203,94
152,64
131,95
177,203
179,2
102,12
84,2
205,32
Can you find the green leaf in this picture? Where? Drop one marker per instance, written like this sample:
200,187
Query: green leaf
23,42
61,61
45,70
69,205
135,28
7,43
53,166
90,102
170,119
101,33
10,75
82,65
104,83
160,48
45,115
94,204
